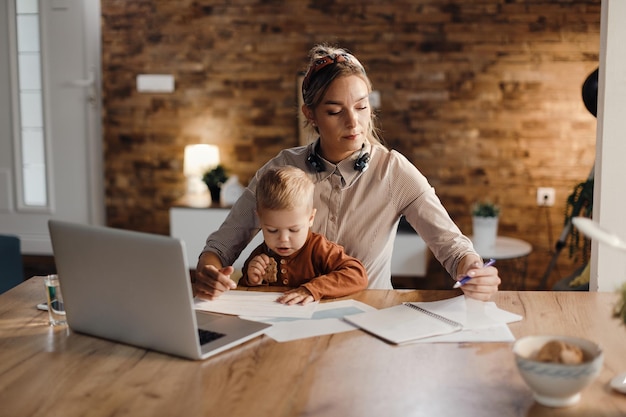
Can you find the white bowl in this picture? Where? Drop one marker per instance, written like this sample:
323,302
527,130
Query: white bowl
557,384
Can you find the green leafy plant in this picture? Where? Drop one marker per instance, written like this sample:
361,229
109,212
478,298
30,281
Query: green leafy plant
485,209
579,203
215,177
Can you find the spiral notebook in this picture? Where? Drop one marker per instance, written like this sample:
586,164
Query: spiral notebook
412,321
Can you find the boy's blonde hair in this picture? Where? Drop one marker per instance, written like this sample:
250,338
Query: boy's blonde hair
284,188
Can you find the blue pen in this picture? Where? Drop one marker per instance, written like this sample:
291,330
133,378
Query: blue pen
467,277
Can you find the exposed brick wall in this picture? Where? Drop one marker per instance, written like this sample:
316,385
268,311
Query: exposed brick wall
484,97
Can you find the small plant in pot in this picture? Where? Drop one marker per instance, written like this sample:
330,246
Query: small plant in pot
485,216
485,209
214,179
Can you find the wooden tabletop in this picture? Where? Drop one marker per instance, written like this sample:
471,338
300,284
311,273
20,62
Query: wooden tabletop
50,372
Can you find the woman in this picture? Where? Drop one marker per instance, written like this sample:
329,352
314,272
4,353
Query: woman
361,189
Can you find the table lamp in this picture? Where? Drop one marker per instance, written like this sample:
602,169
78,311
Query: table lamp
199,158
593,230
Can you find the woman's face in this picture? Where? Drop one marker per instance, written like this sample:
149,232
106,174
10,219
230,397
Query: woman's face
342,118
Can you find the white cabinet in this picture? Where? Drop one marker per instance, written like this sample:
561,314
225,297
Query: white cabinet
410,255
192,225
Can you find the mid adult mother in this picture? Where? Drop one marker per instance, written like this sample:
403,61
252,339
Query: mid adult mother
361,189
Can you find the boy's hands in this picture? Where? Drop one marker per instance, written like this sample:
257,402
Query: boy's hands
298,295
257,268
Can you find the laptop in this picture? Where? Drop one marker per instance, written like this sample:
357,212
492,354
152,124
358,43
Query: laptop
134,288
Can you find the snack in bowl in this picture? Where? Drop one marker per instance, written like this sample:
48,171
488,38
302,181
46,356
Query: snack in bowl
558,351
557,382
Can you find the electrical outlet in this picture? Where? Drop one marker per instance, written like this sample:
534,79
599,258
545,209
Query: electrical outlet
545,196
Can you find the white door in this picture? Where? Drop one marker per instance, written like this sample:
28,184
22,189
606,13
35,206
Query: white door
69,42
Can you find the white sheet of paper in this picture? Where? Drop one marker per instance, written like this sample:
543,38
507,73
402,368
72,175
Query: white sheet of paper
496,313
326,319
255,304
482,321
472,314
498,333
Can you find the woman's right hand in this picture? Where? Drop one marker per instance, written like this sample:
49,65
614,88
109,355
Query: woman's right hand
212,280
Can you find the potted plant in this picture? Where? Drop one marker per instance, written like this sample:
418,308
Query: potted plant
579,203
485,209
485,217
214,179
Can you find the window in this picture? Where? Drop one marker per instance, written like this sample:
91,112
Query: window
30,140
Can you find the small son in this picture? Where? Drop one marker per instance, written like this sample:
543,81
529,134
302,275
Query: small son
291,254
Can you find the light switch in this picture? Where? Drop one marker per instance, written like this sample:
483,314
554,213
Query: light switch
155,83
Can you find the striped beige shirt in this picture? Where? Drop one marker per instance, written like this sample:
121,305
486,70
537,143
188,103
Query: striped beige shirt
358,210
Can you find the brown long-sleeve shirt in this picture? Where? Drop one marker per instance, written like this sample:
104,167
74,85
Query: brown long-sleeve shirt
320,265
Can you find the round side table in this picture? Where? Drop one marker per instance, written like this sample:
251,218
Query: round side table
514,251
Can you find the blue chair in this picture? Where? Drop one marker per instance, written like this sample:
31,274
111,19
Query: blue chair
11,267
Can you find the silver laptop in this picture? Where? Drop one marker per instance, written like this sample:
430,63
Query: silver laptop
134,288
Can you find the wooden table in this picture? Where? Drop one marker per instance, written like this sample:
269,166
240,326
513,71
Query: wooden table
54,372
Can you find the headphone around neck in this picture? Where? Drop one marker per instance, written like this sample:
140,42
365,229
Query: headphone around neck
361,164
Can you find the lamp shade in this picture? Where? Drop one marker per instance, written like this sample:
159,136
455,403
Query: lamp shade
199,158
593,230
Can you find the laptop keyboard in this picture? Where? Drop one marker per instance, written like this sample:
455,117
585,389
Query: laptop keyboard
207,336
